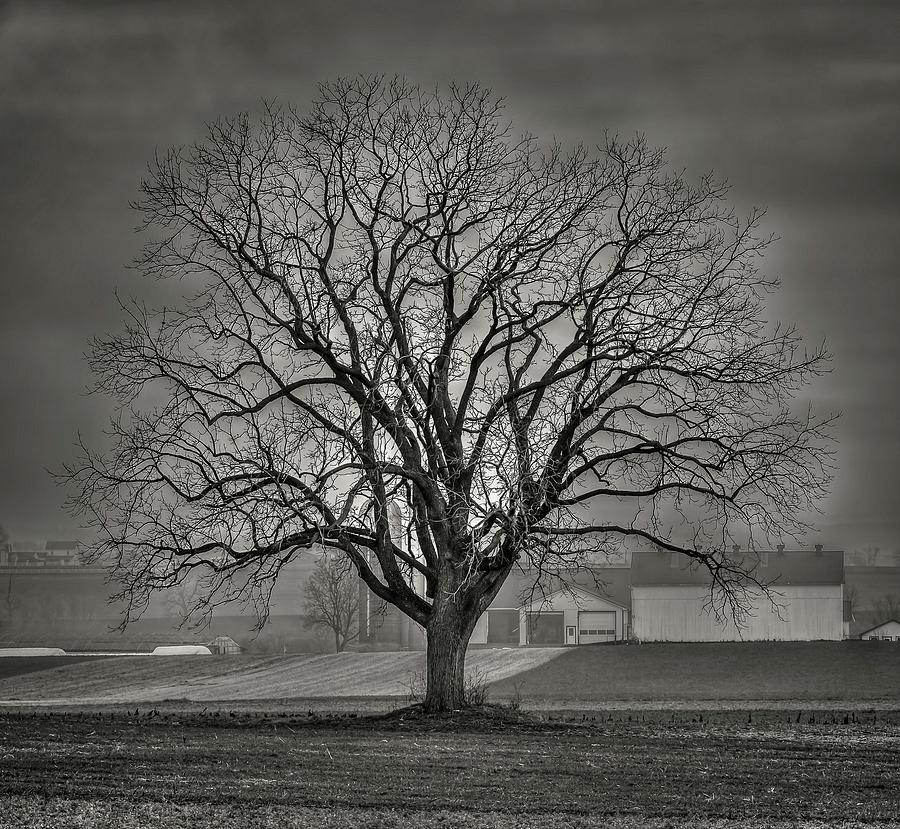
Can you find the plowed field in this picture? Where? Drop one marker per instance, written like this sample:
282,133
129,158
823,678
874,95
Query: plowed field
143,769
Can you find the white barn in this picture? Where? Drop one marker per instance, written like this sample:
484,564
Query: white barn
669,597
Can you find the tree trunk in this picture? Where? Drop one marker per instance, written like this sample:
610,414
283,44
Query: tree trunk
448,636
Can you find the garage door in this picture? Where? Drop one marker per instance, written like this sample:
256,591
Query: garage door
503,627
596,626
545,628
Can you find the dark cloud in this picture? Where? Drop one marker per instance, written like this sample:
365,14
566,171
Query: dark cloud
795,103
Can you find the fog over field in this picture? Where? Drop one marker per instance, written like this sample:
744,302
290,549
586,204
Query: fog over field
794,103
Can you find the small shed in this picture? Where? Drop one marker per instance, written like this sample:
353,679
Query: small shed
888,631
224,646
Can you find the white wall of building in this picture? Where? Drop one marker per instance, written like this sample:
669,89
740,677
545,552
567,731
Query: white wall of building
480,633
674,613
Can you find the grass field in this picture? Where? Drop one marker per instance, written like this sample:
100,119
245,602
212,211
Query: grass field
145,769
839,672
802,671
154,678
17,665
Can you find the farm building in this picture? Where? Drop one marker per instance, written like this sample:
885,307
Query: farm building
888,631
660,597
670,596
584,607
224,646
577,607
568,616
382,627
385,628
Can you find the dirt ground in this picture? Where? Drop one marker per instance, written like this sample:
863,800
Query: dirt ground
146,742
766,768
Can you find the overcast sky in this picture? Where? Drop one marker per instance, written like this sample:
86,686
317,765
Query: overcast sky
795,103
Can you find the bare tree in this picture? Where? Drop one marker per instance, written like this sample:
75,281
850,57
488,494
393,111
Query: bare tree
851,597
537,354
869,554
332,600
181,599
887,607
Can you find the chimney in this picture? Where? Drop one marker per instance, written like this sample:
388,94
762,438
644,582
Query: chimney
818,549
780,548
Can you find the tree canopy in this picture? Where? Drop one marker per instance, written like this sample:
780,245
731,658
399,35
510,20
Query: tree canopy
395,301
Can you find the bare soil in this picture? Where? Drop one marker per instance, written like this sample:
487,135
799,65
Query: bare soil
618,737
500,769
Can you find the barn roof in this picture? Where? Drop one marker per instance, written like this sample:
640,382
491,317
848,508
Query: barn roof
611,583
879,625
540,601
650,569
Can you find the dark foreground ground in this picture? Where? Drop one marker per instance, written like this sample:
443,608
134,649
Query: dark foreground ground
229,768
